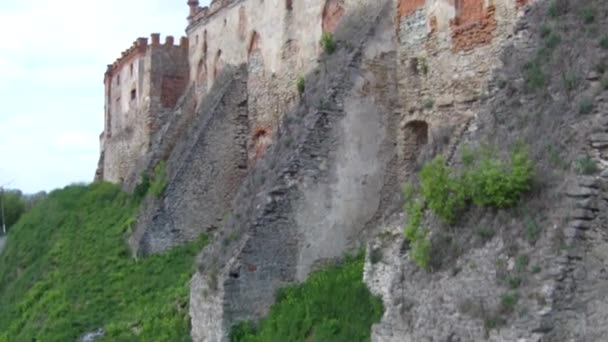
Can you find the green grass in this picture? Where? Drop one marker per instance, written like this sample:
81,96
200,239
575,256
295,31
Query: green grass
332,305
67,270
159,180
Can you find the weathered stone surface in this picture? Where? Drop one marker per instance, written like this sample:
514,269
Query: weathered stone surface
204,172
581,192
583,214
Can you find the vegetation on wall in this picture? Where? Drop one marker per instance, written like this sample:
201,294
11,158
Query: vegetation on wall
332,305
484,180
328,43
67,270
158,183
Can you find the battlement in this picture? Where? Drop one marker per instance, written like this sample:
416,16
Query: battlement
140,47
202,14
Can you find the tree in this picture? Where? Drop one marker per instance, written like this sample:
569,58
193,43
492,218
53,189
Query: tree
12,205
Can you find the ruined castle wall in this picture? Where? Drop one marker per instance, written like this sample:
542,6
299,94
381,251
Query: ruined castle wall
277,39
204,171
447,51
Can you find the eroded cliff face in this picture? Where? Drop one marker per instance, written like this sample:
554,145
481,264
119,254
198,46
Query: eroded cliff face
286,182
535,272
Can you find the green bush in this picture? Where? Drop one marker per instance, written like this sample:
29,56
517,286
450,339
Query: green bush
67,270
159,180
332,305
443,192
493,183
485,181
141,189
301,84
328,43
420,244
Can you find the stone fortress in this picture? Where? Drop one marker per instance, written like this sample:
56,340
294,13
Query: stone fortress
286,181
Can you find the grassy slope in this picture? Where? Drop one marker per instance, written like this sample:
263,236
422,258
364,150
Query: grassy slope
66,270
332,305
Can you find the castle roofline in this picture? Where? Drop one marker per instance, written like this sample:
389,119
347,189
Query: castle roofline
200,15
139,48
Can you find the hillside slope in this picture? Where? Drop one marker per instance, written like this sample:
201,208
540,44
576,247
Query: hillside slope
67,270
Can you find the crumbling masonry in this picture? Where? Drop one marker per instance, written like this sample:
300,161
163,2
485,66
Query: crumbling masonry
286,181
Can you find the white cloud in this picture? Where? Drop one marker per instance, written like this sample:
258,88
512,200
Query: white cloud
52,59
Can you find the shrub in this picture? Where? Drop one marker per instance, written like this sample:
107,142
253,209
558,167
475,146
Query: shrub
443,192
141,189
570,81
535,77
328,43
495,184
604,42
508,301
545,30
429,103
301,84
485,233
521,263
159,180
586,166
588,15
558,8
332,305
532,229
420,245
585,106
552,40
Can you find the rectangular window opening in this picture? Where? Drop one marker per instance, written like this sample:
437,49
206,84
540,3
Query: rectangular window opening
133,94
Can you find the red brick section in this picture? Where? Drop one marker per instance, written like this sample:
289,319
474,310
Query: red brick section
521,3
473,26
332,13
172,87
261,140
407,7
254,43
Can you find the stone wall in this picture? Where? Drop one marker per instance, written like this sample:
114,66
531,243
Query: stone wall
447,51
311,196
204,170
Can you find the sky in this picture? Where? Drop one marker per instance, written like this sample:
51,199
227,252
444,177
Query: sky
53,56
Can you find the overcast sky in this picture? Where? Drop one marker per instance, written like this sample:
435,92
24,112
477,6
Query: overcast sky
53,54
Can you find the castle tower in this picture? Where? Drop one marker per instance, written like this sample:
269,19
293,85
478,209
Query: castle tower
142,88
